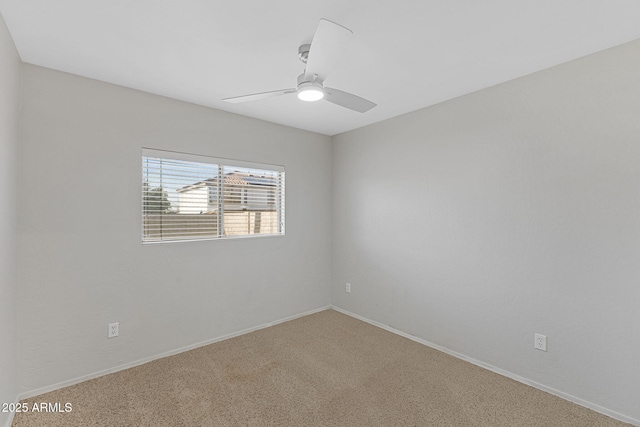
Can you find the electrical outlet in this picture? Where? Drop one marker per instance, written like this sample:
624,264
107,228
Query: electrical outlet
113,330
348,288
540,342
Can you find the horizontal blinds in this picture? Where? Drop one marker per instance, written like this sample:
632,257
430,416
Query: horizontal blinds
185,197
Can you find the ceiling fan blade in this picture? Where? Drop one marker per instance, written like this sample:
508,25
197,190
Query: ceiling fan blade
258,96
327,47
348,100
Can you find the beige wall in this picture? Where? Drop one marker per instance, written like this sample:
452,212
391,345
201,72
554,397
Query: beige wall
80,157
9,104
520,209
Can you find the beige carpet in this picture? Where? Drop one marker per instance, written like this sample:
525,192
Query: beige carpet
326,369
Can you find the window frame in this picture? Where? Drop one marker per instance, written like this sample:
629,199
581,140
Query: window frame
222,164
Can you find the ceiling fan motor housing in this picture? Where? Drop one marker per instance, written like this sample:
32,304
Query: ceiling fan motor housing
304,81
309,90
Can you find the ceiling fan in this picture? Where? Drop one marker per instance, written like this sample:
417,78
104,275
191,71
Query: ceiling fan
320,56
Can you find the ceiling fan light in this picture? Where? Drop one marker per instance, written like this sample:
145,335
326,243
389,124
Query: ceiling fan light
310,94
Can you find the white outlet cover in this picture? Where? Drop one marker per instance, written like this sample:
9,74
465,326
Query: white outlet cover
113,330
540,342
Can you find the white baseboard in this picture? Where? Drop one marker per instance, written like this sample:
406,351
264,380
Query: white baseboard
550,390
471,360
52,387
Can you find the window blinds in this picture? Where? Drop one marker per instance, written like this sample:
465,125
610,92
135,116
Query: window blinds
187,197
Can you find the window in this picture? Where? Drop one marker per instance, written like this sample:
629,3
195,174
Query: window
187,197
213,195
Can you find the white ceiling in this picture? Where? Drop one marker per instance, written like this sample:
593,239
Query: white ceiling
404,55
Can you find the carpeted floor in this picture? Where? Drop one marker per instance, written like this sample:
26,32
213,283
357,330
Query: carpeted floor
326,369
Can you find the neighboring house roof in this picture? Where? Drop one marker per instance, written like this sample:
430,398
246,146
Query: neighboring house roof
233,179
